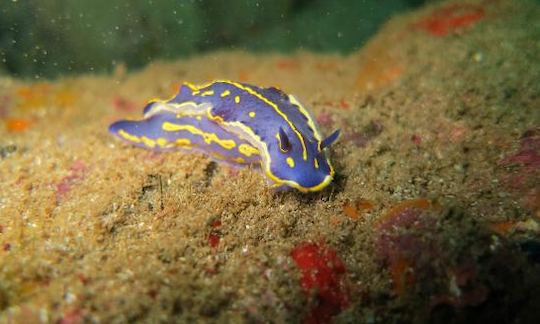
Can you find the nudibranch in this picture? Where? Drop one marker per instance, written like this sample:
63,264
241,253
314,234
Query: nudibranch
239,124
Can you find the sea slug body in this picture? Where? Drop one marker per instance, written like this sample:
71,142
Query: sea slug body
240,124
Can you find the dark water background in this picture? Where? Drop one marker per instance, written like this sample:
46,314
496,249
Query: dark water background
48,38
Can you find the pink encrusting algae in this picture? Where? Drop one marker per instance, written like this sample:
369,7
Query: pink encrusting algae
400,250
77,173
408,241
523,173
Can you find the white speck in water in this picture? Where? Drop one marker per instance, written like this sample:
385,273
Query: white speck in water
43,315
478,57
70,298
339,34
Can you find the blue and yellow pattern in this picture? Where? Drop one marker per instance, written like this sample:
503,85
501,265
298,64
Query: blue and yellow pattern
240,124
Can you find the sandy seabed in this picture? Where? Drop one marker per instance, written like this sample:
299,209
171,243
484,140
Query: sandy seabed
433,215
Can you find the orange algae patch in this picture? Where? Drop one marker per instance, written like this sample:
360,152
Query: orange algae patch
244,76
287,64
44,94
350,211
379,68
358,208
327,65
377,74
34,95
446,20
15,125
402,275
64,98
344,104
175,86
503,228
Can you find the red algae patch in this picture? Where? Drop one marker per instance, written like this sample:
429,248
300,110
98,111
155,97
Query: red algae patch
446,20
122,104
323,275
416,139
214,237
